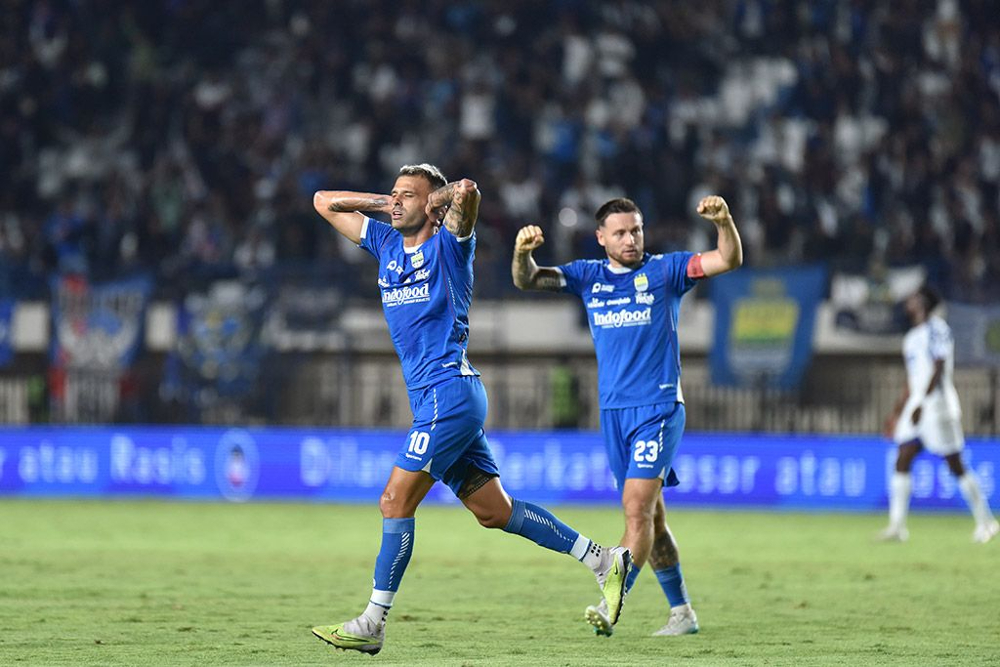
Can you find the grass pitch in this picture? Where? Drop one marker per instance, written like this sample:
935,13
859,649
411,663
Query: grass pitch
150,583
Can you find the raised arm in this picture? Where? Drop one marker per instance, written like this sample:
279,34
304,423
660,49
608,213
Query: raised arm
728,254
462,198
526,273
343,209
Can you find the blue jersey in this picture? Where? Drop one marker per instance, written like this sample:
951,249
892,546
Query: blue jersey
633,318
426,294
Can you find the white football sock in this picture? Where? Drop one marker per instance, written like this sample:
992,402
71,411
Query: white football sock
969,487
378,607
588,552
899,499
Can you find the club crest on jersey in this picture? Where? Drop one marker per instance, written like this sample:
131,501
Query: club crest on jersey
417,259
641,283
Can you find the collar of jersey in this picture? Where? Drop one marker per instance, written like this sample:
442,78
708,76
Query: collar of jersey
410,251
625,269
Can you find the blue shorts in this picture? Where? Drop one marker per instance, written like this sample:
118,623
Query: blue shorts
447,437
642,442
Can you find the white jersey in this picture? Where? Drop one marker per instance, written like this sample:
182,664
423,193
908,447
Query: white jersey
922,346
939,428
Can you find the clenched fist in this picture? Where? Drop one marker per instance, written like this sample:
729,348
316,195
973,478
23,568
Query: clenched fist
528,238
714,208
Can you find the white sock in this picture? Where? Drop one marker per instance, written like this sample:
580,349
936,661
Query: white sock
378,606
969,487
588,552
899,499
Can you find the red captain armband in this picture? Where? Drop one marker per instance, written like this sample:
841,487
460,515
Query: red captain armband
694,268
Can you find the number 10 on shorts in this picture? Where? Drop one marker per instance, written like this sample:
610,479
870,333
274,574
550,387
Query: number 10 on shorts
645,450
419,442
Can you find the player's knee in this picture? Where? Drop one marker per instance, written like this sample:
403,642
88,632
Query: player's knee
492,514
392,506
491,519
639,512
955,465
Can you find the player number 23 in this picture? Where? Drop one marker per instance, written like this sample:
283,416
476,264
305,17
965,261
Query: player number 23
646,450
419,441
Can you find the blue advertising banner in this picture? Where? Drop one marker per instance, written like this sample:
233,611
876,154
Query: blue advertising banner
764,325
325,465
6,330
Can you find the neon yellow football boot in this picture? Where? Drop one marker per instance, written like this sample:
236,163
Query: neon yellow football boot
359,634
612,581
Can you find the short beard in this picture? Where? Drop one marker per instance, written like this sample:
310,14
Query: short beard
621,260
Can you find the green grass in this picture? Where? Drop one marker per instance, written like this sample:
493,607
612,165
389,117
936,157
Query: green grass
149,583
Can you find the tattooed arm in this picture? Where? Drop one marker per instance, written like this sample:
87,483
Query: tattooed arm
343,209
463,197
526,273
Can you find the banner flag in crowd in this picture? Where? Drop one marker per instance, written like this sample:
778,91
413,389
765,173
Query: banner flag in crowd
219,347
764,325
977,333
97,331
98,327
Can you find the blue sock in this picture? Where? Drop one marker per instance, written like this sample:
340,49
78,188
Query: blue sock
397,545
672,582
632,576
541,527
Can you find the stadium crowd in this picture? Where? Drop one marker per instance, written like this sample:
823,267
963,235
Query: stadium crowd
186,137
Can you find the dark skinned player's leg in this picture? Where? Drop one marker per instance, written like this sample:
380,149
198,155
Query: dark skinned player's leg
900,487
986,526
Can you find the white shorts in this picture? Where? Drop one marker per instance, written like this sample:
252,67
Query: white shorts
939,434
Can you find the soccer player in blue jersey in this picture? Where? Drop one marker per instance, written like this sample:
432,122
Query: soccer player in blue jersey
633,301
425,277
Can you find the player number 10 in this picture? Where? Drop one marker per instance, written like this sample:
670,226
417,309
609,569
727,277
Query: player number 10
646,450
419,441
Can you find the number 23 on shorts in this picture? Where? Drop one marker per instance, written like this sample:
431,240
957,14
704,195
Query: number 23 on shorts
646,450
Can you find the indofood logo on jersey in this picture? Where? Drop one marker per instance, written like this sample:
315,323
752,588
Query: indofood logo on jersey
624,318
405,295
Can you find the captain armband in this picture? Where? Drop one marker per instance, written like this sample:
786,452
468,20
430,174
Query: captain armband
694,270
